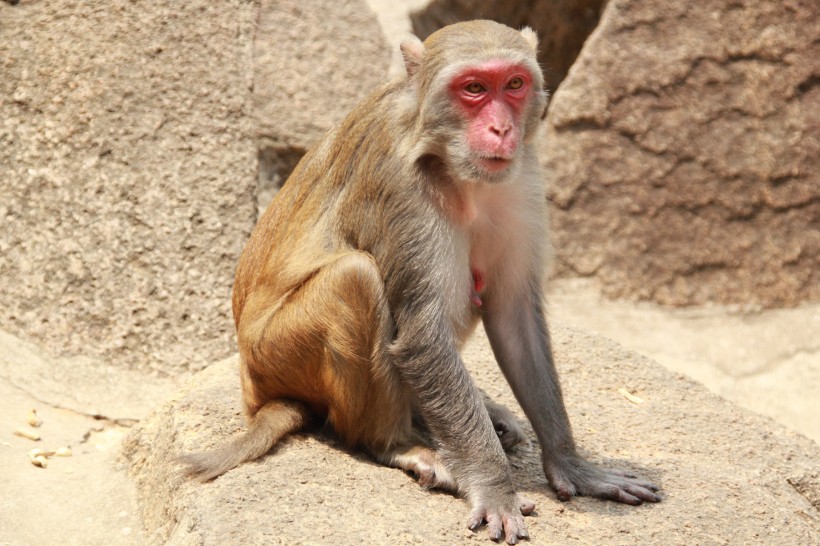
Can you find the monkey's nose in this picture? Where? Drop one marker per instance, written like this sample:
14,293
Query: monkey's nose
500,130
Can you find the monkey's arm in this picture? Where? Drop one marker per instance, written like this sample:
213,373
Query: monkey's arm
518,334
452,408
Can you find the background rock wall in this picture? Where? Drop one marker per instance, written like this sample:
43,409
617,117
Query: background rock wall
684,149
312,63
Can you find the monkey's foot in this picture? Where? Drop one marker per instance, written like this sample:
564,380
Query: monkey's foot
575,476
505,424
504,520
426,466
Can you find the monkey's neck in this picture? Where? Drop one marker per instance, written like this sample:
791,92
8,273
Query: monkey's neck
464,204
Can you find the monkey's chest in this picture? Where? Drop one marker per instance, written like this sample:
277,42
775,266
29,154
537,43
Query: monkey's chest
490,251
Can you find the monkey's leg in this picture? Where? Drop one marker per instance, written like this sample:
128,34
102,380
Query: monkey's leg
325,344
314,348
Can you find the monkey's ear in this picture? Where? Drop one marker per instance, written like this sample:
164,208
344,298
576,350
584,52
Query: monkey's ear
413,52
531,37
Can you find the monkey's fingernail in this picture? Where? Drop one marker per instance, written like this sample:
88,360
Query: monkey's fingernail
25,433
63,452
33,419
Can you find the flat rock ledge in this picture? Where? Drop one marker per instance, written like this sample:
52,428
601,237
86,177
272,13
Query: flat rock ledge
728,476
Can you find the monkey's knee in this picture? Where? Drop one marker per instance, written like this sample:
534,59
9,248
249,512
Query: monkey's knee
356,278
358,309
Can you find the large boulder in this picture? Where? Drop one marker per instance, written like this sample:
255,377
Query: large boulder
129,145
715,462
127,175
685,153
313,61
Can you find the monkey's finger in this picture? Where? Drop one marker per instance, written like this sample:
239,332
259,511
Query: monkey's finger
646,485
476,519
514,528
613,492
634,483
564,490
495,526
641,492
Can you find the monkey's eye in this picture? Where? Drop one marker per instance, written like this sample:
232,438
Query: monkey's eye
516,83
474,88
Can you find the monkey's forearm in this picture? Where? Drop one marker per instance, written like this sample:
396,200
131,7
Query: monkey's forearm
454,412
520,341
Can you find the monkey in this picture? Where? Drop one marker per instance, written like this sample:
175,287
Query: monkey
422,213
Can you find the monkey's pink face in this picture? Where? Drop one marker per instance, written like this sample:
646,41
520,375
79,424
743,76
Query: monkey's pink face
492,96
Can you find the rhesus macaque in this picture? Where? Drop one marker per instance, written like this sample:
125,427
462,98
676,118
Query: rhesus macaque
418,216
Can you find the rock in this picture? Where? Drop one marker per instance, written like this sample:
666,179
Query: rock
714,461
313,61
79,385
562,25
128,147
128,177
685,154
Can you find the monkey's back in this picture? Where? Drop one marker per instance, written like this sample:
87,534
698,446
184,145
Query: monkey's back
302,227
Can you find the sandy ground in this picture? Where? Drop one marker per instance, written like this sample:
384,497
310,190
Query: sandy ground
87,498
83,499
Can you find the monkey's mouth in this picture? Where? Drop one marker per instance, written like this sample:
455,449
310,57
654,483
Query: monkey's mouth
495,163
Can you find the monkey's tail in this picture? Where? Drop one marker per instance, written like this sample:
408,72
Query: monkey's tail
270,424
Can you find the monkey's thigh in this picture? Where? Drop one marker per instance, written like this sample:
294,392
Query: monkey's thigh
327,345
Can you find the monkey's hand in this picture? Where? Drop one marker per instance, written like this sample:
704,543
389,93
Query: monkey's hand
572,475
504,515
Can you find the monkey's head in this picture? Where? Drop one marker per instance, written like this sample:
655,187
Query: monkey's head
478,97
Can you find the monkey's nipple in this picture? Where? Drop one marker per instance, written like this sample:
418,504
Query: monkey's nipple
478,286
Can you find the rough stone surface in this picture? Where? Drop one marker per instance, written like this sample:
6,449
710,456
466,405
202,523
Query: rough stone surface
562,25
684,148
313,61
128,160
715,462
127,176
